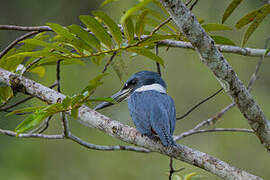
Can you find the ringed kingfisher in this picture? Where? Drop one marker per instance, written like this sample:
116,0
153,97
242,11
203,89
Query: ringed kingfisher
151,109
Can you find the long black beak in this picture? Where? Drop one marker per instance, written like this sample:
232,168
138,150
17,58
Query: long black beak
118,97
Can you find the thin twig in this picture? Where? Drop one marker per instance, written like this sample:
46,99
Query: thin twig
159,26
58,76
193,5
158,65
27,135
25,28
189,133
197,105
109,62
106,148
46,125
172,170
254,75
31,64
75,139
16,41
42,127
188,2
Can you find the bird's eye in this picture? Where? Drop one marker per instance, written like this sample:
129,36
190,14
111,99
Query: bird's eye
133,82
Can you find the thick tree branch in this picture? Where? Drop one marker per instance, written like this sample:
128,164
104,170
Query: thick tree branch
125,133
210,55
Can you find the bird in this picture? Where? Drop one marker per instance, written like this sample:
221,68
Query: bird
151,108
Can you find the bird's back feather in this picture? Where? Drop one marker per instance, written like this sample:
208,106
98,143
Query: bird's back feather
152,109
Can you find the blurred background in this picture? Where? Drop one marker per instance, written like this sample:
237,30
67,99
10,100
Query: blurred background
188,80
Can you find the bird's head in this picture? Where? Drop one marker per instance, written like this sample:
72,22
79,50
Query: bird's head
140,81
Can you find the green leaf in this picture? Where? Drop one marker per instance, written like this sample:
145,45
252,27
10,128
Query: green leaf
162,18
69,37
134,9
61,30
262,13
141,23
26,110
93,25
119,67
154,23
113,27
6,94
246,19
107,2
74,112
77,100
66,102
35,54
93,84
54,46
232,6
223,40
160,6
54,108
31,121
64,61
85,36
267,52
215,27
147,53
97,59
128,29
40,70
10,63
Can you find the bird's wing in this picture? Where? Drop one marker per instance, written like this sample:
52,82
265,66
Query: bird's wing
139,113
151,109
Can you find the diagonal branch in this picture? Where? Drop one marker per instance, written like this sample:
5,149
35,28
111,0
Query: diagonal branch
91,118
211,56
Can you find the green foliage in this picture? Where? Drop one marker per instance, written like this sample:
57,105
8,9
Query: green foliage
267,52
107,2
140,23
134,9
113,27
6,93
94,26
72,104
223,40
147,53
260,15
232,6
216,27
129,30
256,17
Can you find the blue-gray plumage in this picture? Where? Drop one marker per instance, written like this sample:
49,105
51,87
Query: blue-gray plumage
153,113
151,109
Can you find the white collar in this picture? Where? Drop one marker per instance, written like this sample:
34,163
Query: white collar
155,87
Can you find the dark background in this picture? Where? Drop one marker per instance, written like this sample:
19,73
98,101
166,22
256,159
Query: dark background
188,82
